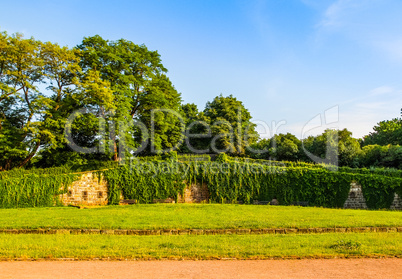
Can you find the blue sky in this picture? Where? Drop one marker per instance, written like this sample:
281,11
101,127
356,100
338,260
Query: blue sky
287,60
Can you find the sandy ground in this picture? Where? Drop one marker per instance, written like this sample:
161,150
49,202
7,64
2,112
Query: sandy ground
334,268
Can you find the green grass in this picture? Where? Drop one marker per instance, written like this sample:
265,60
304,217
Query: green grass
201,247
194,216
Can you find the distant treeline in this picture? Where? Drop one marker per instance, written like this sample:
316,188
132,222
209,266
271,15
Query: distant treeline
381,148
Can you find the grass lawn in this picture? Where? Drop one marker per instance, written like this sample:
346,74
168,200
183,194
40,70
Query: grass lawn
194,216
201,247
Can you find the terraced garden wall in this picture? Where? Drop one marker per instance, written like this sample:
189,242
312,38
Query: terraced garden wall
91,189
204,181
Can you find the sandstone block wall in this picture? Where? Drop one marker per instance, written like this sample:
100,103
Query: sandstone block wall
397,203
86,191
194,193
355,199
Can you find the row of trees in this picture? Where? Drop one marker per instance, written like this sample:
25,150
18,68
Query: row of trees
131,107
381,148
125,92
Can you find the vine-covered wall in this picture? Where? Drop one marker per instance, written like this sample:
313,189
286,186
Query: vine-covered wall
230,181
227,180
35,188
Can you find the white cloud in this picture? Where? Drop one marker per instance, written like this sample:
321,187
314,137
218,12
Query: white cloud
382,90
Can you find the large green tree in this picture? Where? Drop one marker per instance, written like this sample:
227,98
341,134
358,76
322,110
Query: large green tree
142,92
40,85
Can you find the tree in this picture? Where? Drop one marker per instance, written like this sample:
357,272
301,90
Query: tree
231,125
20,70
334,146
381,156
385,132
260,149
34,117
198,134
285,147
140,86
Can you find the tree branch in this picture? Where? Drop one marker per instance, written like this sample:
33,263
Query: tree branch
29,157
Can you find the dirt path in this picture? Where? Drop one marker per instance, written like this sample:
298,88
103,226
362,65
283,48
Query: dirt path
334,268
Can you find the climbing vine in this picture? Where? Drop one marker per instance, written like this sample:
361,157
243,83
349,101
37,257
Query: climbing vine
33,189
228,180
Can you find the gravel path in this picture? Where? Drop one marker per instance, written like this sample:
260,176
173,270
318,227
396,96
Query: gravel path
331,268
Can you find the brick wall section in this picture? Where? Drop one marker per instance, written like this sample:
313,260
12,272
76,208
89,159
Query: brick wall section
86,191
397,203
195,193
355,199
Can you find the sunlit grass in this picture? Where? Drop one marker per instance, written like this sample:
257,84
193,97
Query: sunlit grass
195,216
201,247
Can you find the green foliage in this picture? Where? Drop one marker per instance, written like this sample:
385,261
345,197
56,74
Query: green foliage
34,189
280,147
378,190
221,158
141,91
230,124
287,147
40,187
386,132
192,158
40,85
381,156
373,171
378,184
231,181
198,134
336,146
228,179
20,172
276,163
171,156
144,182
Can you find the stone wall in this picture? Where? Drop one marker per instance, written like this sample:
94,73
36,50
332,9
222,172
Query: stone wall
90,191
194,193
397,203
86,191
355,199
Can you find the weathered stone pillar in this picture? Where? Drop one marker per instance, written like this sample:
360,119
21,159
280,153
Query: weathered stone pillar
355,199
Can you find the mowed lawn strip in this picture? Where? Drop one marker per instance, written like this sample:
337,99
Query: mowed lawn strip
194,216
200,247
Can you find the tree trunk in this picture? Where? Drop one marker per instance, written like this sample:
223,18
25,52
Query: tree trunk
29,157
115,153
